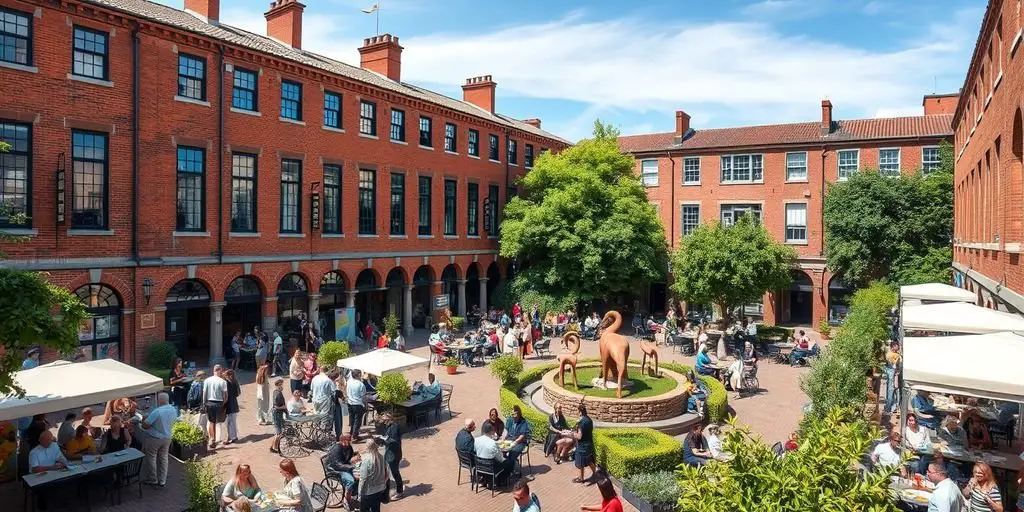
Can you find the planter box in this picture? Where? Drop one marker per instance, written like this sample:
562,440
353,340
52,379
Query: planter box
185,453
639,503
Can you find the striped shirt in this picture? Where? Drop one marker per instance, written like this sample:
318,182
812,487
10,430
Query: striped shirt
978,503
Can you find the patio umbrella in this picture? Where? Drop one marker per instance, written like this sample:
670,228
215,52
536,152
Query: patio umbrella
383,361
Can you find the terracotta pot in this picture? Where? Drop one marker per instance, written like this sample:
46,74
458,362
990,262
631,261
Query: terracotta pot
451,369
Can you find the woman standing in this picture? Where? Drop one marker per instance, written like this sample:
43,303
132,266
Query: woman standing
179,389
278,409
610,501
295,495
982,492
374,475
261,346
231,406
296,371
236,350
263,393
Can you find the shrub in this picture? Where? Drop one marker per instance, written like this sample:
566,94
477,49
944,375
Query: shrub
824,327
164,375
458,322
768,331
161,355
660,487
391,325
533,374
507,369
393,388
331,352
201,482
629,451
187,434
451,362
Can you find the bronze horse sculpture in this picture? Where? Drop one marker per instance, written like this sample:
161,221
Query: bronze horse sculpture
614,350
570,338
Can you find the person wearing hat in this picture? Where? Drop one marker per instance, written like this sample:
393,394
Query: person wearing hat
31,359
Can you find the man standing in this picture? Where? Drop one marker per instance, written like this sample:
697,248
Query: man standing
393,452
355,395
215,392
158,429
946,497
464,439
322,389
524,500
279,359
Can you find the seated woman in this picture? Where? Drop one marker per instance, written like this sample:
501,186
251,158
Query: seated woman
978,437
497,425
558,442
715,442
704,362
695,447
124,407
295,495
116,438
81,444
697,394
296,406
952,433
242,485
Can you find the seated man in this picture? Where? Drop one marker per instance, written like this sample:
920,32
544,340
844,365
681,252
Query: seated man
486,448
433,388
927,415
888,454
695,447
341,461
464,442
491,345
81,444
67,429
517,430
46,456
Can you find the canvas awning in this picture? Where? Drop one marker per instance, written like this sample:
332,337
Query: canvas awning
62,385
958,317
382,361
982,365
936,292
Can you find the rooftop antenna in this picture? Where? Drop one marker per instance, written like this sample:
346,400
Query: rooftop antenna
935,84
374,9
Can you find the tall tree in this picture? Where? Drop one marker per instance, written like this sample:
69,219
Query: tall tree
897,229
584,227
730,266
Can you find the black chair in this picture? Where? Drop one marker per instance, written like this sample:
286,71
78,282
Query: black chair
444,401
542,346
318,497
131,472
488,467
420,415
333,484
1002,431
466,461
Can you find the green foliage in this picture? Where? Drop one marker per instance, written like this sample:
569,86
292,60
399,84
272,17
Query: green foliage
730,266
878,298
717,402
393,388
187,434
660,487
644,386
630,451
451,362
504,296
33,312
391,325
584,228
161,355
533,374
824,327
765,332
899,229
507,368
520,291
164,374
817,476
201,482
538,420
458,322
331,352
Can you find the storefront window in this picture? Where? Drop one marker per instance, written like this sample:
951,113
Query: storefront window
99,335
292,305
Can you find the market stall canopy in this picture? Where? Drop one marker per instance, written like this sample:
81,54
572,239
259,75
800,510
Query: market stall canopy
936,292
958,317
982,365
63,385
382,361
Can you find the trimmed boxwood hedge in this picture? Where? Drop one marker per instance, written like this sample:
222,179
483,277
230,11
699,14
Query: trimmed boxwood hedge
664,453
717,403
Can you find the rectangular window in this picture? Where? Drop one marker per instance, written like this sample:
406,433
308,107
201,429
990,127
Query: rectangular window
930,159
513,156
691,170
191,209
473,210
191,77
15,165
732,212
332,110
15,37
332,199
796,166
89,180
450,197
426,132
849,163
397,204
493,153
397,125
528,156
367,202
691,218
889,162
492,204
796,223
367,118
243,193
425,210
291,200
742,169
291,100
649,173
90,54
474,143
451,140
243,95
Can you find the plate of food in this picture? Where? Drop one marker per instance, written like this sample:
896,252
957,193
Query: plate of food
504,444
915,496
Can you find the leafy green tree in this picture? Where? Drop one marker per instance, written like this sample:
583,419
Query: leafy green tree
584,228
894,228
730,266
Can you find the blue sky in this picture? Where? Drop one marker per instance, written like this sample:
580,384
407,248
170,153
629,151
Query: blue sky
725,62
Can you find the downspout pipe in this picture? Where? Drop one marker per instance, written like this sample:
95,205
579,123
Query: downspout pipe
672,204
136,71
220,154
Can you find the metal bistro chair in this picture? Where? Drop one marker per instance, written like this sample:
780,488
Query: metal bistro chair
542,346
333,485
130,473
318,497
488,467
466,461
444,401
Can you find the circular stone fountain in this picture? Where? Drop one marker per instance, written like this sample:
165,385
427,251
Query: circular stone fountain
666,406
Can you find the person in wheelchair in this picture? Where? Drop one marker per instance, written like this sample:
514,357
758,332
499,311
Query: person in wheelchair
341,463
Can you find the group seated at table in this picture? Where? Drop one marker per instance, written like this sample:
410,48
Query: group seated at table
515,434
976,418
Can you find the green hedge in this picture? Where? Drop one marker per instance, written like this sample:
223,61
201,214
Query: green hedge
630,451
717,403
766,331
164,374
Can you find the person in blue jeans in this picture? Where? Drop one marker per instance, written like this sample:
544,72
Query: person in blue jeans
892,363
340,464
695,447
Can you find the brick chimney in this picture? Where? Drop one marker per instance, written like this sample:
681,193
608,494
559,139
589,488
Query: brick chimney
209,9
533,122
826,117
382,54
479,91
935,104
682,125
284,22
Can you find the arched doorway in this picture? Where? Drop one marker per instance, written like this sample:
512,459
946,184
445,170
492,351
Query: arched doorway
801,298
292,300
99,336
421,283
493,280
472,287
395,294
242,311
450,287
188,319
838,300
370,300
332,297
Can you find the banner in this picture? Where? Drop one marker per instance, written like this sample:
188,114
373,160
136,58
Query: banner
345,325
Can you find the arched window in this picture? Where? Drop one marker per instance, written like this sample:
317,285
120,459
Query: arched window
367,281
100,334
187,293
243,289
292,304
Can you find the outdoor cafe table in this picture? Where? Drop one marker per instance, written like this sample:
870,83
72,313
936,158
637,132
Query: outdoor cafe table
35,482
308,430
957,409
1008,462
912,499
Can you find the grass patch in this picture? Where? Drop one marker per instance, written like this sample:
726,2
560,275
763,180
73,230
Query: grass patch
633,441
643,385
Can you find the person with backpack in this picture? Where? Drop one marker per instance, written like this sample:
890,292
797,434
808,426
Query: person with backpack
194,399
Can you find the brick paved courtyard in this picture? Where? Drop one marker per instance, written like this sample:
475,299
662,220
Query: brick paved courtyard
430,466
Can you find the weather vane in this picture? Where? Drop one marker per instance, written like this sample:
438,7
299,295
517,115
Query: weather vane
374,9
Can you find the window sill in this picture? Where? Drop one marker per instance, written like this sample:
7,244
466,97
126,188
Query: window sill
650,185
428,148
473,156
513,165
19,67
1016,41
995,84
988,99
368,136
246,112
20,231
240,234
332,235
451,152
292,121
90,232
473,237
490,237
797,181
796,242
361,235
398,237
742,182
90,80
425,237
291,235
451,237
691,184
493,161
333,129
1014,248
192,234
192,101
402,142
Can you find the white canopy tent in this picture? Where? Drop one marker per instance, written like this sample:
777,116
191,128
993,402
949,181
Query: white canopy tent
63,385
382,361
982,365
936,292
958,317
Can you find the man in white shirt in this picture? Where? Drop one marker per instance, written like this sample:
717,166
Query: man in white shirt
888,454
486,448
511,341
215,392
278,366
157,428
946,497
322,389
45,457
355,396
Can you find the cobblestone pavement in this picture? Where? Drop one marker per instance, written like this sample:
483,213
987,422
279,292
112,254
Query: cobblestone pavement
430,466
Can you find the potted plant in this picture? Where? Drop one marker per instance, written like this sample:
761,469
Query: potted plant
824,328
393,389
652,492
331,352
201,483
451,364
391,326
187,440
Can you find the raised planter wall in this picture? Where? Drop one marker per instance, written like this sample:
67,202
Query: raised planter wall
624,410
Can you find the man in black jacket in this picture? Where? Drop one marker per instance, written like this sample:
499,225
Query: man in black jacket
464,439
340,461
392,440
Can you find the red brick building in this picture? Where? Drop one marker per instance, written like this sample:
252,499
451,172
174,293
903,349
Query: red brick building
988,232
189,179
779,173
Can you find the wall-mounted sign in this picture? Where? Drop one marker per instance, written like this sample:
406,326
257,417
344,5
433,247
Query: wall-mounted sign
314,211
440,301
60,196
487,215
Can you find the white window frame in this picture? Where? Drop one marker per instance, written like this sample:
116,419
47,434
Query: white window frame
937,162
731,159
749,207
645,177
682,218
787,225
899,161
839,164
798,179
691,159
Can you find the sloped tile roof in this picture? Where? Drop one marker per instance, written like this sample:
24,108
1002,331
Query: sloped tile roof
185,21
793,133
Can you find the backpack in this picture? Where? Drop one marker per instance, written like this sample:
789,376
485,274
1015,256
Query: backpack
195,395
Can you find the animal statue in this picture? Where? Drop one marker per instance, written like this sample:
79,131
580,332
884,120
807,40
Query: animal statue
650,350
570,359
446,318
614,350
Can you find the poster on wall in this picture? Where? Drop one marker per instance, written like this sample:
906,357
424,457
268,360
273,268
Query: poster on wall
345,325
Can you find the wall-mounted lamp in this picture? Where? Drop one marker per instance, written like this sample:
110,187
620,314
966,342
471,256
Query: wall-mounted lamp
147,289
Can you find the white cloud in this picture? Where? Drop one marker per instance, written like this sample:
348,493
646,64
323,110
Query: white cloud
783,8
874,7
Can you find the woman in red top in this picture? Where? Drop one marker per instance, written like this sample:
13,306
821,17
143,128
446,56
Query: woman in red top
610,501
